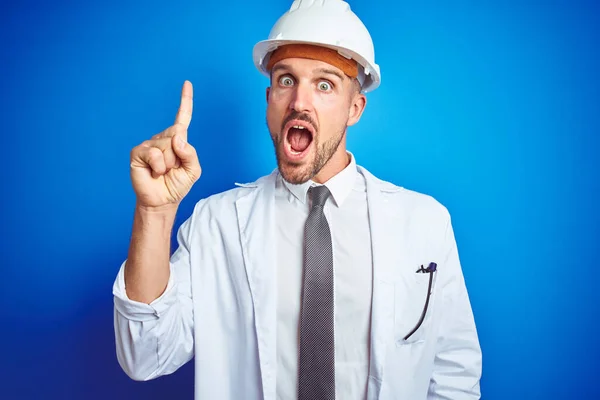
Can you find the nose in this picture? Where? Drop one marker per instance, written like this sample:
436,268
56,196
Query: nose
301,100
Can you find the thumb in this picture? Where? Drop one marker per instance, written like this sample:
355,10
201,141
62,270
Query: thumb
187,154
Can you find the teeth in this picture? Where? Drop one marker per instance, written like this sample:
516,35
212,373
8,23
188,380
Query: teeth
298,127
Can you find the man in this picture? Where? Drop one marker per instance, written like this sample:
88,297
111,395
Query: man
318,281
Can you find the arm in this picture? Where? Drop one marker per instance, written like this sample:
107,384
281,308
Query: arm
147,266
154,338
458,360
153,301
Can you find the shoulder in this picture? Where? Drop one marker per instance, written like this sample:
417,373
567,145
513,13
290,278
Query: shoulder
225,201
415,204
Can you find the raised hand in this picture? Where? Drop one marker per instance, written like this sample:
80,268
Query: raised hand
164,168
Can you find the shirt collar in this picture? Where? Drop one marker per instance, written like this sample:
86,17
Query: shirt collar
339,185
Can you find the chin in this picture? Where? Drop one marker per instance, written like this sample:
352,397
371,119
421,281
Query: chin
294,173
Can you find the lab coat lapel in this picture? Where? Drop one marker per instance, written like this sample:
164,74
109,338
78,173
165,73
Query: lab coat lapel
388,246
256,222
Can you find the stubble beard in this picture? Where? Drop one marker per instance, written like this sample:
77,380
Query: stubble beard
299,173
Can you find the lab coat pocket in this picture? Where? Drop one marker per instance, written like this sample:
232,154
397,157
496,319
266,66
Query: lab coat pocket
415,307
410,358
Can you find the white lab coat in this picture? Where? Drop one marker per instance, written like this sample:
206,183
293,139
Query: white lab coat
220,304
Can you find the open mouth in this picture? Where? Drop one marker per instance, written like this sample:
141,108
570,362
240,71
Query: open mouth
298,138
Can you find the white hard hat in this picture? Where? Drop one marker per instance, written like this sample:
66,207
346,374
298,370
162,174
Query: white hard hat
327,23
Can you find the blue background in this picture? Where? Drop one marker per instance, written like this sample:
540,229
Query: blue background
491,107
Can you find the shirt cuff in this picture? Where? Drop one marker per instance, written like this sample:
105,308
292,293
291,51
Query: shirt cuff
137,311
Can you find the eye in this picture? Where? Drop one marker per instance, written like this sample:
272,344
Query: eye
286,81
324,86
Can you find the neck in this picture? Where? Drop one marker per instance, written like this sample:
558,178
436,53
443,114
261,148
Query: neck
335,165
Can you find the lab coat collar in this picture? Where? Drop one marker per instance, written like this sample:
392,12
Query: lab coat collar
372,181
339,185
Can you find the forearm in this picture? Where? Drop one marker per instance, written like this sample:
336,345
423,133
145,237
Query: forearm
147,267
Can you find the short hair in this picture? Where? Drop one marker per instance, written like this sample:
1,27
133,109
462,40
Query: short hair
356,85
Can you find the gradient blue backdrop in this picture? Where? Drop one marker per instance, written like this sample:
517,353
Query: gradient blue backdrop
491,107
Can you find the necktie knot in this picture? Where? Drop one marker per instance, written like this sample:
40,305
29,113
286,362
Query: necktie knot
319,195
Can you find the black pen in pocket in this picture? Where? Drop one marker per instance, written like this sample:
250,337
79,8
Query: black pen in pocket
429,270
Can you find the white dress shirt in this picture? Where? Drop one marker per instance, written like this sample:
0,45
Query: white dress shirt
347,214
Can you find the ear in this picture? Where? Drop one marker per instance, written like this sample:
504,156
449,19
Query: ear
268,91
357,106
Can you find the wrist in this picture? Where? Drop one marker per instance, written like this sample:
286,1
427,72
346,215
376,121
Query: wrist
167,210
155,219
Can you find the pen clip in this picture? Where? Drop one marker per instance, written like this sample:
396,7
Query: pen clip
431,268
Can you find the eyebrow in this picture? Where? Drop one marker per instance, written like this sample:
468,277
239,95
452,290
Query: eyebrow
287,68
279,67
331,72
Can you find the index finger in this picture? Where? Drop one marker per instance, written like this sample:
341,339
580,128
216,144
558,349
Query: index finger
184,115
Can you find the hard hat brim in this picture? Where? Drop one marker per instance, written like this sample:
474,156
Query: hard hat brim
263,49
